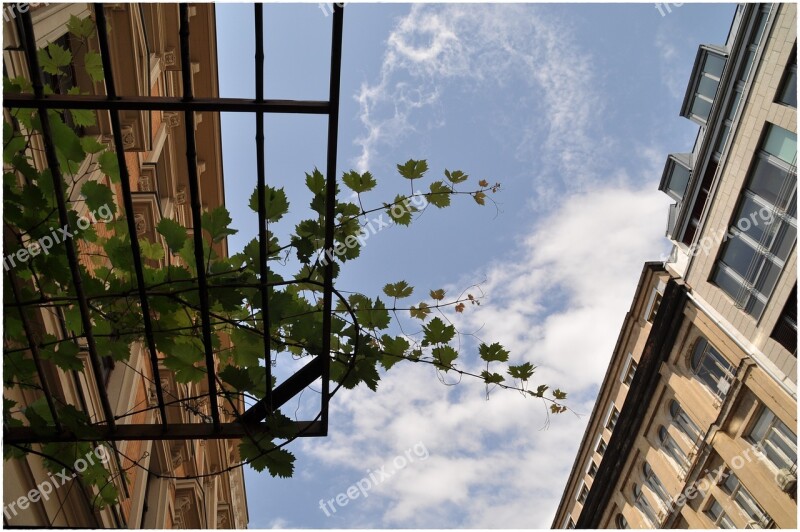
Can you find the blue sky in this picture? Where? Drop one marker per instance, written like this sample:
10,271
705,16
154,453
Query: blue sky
573,109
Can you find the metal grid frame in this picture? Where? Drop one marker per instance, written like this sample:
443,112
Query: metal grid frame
252,420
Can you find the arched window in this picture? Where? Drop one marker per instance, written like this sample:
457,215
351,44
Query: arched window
711,368
640,501
684,423
672,449
622,523
655,485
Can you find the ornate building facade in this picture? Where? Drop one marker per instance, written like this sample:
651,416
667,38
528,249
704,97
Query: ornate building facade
695,425
160,484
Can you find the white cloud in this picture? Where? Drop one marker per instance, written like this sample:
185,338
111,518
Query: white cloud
490,464
437,50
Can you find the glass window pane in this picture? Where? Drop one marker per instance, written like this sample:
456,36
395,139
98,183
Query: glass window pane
784,240
708,87
781,143
701,108
738,256
678,180
714,65
749,210
767,180
724,280
767,277
789,89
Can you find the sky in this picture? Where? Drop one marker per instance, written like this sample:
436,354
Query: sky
573,108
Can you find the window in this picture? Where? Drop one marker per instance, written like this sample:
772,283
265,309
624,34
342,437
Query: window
629,370
655,485
570,523
745,502
601,447
613,416
684,423
592,471
621,522
787,92
672,449
640,501
676,175
583,493
764,229
785,331
756,31
707,72
654,303
717,514
713,370
774,440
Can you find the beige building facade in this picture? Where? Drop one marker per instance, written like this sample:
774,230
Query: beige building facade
160,484
695,425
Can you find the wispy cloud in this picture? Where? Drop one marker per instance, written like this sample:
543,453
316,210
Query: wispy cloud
438,50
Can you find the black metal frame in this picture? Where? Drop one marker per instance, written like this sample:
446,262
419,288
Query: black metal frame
251,421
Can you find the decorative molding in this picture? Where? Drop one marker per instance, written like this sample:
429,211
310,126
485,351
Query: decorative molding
172,119
169,57
128,137
180,195
141,223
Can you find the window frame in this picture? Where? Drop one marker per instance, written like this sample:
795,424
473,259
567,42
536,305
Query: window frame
758,443
628,370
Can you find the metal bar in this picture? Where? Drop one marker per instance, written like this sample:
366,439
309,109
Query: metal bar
116,129
165,103
58,191
285,391
263,227
194,193
34,347
330,202
174,431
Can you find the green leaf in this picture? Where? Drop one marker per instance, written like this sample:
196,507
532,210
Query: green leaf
521,371
173,232
559,394
64,355
248,347
52,58
456,176
90,145
413,169
359,182
443,356
492,378
394,349
13,146
420,311
83,117
479,198
315,182
98,196
437,295
439,195
276,203
493,353
401,210
216,222
109,165
239,378
437,332
263,454
67,143
94,66
81,27
399,289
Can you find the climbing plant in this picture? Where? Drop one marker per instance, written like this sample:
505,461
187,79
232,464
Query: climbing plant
370,334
